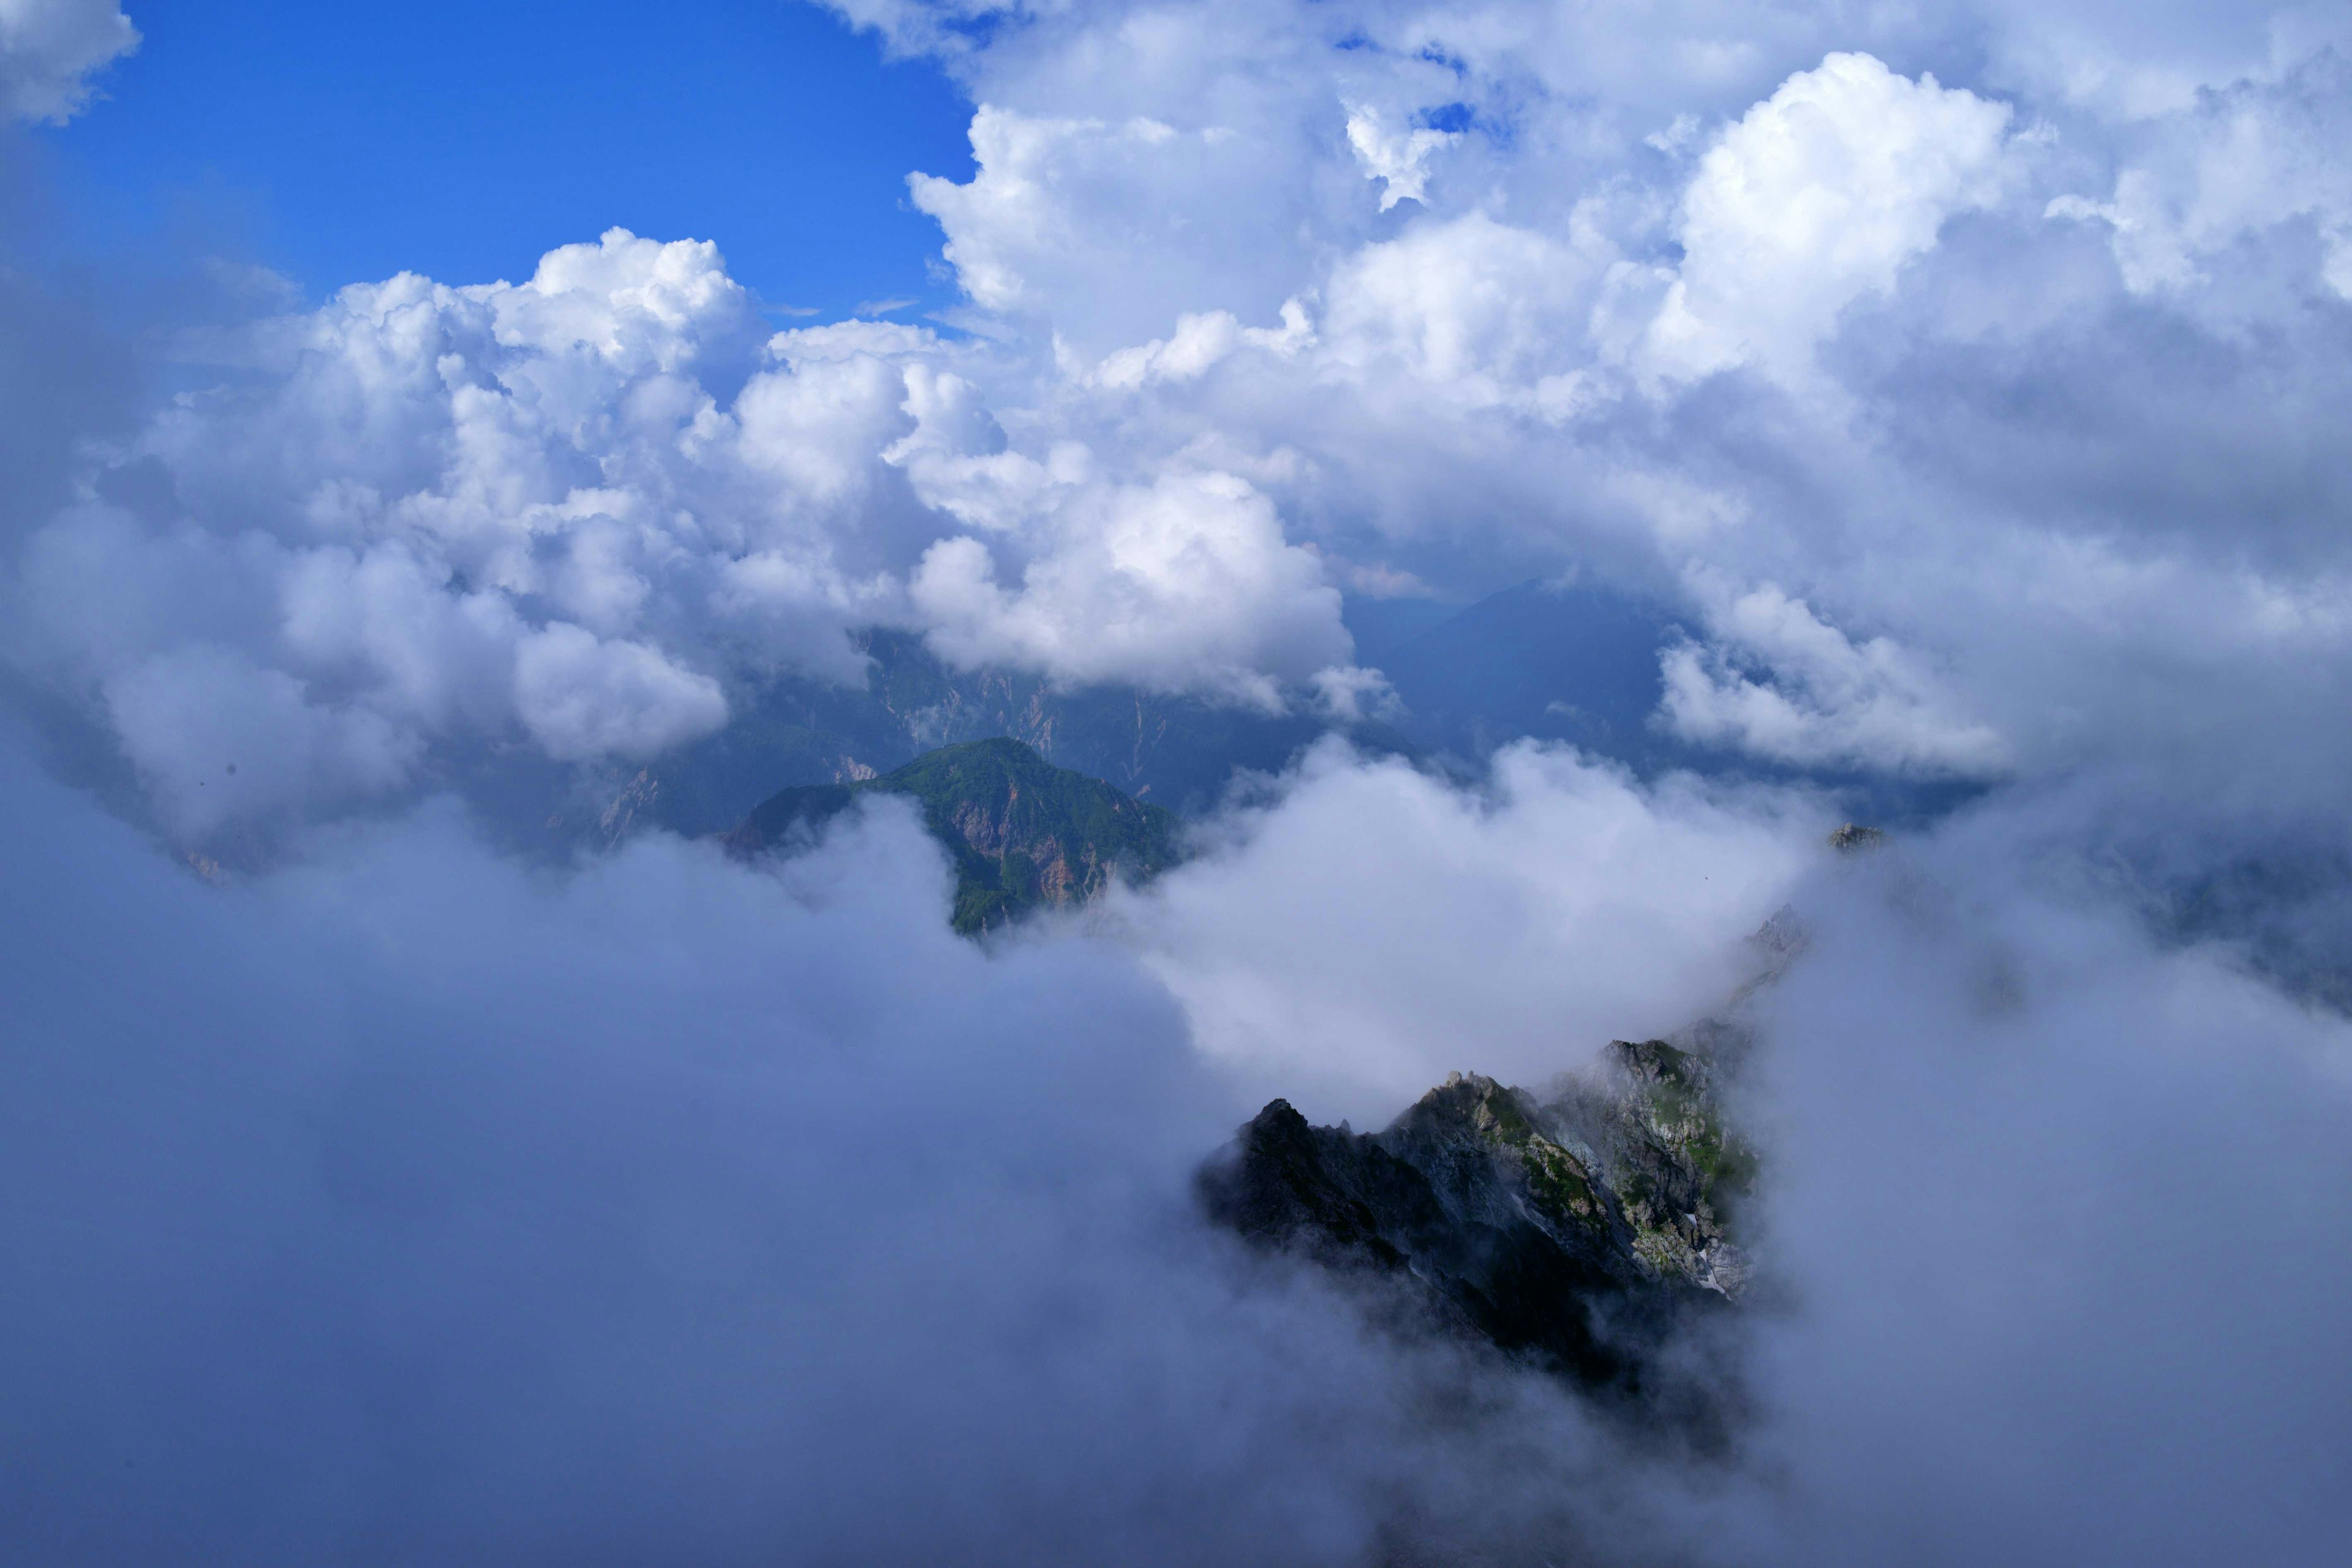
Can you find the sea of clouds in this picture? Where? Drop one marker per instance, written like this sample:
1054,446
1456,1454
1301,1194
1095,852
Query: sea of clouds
1968,380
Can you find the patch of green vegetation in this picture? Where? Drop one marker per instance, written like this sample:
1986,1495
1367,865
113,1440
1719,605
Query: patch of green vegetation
1656,1062
1723,1161
1557,1179
1663,1250
1022,831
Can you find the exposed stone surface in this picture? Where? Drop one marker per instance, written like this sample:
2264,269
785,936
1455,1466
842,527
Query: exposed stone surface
1579,1226
1853,837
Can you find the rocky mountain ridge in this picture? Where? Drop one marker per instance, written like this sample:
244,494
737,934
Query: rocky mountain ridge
1579,1226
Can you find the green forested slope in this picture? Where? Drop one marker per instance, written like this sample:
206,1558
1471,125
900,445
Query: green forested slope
1023,831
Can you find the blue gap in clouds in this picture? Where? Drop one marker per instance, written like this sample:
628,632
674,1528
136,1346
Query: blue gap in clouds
345,142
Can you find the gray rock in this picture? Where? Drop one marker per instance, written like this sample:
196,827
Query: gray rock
1582,1227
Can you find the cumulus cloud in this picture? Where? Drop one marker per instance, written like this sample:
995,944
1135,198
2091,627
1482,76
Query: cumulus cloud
1184,583
1374,928
582,698
1397,157
2239,165
1061,204
50,48
440,514
1475,310
1825,698
1198,342
1556,365
1818,195
1826,333
572,510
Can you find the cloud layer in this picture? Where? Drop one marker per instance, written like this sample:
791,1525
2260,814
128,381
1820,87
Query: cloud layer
410,1206
1350,942
50,48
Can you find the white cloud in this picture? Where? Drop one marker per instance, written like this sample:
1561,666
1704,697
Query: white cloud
1397,157
1198,342
449,516
943,26
1175,212
2236,165
1816,197
684,1204
1482,311
1184,583
50,48
1825,700
1171,270
219,740
582,698
1971,1041
1375,927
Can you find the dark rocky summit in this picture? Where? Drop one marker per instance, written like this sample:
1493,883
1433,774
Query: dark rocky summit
1022,832
1854,839
1580,1227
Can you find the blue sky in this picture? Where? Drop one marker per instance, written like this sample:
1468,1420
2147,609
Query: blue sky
336,143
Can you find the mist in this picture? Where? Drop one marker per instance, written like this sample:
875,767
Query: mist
2055,1207
413,1206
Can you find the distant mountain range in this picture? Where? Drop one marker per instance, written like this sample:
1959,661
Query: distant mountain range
1569,663
1576,664
1022,832
1177,752
1581,664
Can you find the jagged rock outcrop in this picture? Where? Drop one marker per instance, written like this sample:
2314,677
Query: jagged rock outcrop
1579,1226
1853,838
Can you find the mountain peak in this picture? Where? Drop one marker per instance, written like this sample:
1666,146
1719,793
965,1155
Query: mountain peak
1577,1225
1022,832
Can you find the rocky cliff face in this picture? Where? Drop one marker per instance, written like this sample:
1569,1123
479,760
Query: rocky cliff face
1022,832
1580,1226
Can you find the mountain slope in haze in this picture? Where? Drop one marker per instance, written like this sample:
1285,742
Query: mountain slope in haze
1576,664
1580,663
1580,1227
1572,663
1022,832
1177,752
